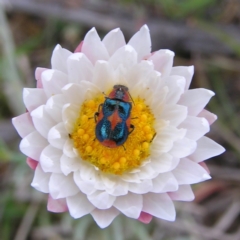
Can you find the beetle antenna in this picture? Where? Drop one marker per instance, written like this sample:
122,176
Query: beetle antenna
131,97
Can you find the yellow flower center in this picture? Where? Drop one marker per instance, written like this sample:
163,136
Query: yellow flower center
123,158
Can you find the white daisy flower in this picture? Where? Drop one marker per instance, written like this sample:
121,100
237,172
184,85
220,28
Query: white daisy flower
113,128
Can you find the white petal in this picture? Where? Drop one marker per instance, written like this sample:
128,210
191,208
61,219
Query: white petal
23,124
79,68
54,107
211,118
130,205
121,188
147,172
186,72
196,100
77,93
90,89
184,193
53,81
163,61
42,121
103,76
159,100
69,165
206,148
32,145
165,138
113,41
88,172
140,188
164,163
176,86
183,148
33,98
86,187
41,180
58,135
141,42
70,113
143,90
196,127
175,114
69,150
59,58
130,178
126,56
189,172
56,205
159,205
109,181
140,72
101,199
164,182
103,218
61,186
93,48
79,205
74,93
50,159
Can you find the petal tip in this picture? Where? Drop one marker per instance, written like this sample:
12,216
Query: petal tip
145,27
58,46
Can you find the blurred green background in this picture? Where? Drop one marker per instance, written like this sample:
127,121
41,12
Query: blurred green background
203,33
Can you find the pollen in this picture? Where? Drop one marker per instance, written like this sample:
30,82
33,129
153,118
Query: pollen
136,152
147,129
143,117
103,160
85,137
145,145
120,159
81,131
116,165
88,149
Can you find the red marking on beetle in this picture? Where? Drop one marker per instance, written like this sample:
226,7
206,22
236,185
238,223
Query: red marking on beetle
109,143
128,123
114,119
100,116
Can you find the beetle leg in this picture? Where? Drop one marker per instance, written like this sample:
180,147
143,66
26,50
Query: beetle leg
100,107
124,148
96,114
132,128
153,136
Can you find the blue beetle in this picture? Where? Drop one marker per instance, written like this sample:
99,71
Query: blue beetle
113,118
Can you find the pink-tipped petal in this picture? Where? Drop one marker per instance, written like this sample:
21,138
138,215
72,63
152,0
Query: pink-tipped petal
184,193
38,76
56,205
23,124
141,42
186,72
211,118
31,163
79,47
204,165
145,217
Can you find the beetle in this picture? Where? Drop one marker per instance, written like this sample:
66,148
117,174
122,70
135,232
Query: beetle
113,118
